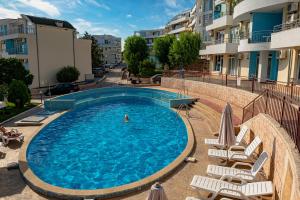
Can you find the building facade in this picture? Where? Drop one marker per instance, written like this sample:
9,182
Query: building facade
179,23
253,38
44,46
111,47
150,35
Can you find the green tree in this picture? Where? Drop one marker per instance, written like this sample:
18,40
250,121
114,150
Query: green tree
135,51
97,52
13,69
67,74
18,93
185,50
3,91
147,68
162,47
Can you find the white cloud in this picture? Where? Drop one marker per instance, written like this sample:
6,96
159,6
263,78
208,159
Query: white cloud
7,13
133,26
83,25
128,15
171,3
100,5
43,6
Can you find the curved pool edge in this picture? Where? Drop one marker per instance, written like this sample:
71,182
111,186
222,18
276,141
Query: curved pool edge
62,193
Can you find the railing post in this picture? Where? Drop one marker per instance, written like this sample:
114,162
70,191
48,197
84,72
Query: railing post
253,107
282,111
292,89
267,102
252,89
226,79
236,79
297,137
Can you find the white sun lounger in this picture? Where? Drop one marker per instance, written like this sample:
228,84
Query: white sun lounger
31,121
244,129
194,198
234,190
236,155
240,174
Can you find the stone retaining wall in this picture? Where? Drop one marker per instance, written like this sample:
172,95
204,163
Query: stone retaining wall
283,166
232,95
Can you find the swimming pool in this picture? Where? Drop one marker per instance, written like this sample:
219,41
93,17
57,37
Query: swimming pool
92,148
83,98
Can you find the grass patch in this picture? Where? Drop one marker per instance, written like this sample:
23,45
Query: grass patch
11,110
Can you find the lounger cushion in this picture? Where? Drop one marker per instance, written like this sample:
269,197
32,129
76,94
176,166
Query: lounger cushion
249,189
34,119
219,171
226,154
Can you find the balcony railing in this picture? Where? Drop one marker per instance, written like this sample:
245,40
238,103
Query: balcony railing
218,15
226,40
17,30
287,26
19,50
257,36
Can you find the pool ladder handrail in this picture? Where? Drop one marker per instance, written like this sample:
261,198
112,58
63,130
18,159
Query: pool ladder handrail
185,107
182,92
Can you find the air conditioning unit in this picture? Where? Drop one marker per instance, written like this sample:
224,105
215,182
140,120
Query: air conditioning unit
292,7
292,17
240,56
282,54
247,56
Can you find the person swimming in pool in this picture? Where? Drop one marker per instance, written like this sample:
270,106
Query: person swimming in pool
126,118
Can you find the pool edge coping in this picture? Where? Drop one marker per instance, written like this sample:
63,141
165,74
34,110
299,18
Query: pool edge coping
58,192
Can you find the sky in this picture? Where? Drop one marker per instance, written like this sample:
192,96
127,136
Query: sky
117,17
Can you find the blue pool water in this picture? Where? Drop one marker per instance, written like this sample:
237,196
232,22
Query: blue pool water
91,147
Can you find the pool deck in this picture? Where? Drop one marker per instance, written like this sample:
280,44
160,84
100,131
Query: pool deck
204,123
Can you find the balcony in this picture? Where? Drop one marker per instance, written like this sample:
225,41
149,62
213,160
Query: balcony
286,35
178,30
228,46
256,41
18,32
16,52
243,9
225,19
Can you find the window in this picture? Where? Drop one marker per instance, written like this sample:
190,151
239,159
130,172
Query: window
220,37
218,63
232,65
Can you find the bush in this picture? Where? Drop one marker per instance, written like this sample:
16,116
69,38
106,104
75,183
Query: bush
147,68
18,93
67,74
13,69
3,91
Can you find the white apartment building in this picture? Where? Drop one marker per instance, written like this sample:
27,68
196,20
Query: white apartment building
111,46
254,38
44,46
150,35
179,23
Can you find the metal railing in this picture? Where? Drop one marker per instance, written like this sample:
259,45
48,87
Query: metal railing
184,107
218,15
280,101
280,109
17,30
291,90
18,50
257,36
234,40
287,26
